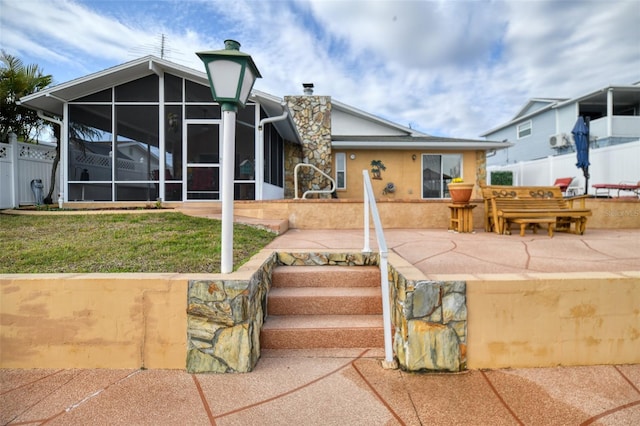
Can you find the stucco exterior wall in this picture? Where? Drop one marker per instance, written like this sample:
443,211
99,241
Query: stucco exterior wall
544,320
402,170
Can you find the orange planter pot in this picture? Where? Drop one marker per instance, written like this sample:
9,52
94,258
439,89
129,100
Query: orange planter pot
460,192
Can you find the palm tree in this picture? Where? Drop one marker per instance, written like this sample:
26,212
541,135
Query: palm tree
18,80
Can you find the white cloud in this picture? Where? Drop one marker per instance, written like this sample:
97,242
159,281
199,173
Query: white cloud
450,68
424,34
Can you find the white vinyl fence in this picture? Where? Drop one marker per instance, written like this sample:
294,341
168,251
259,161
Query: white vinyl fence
20,163
612,164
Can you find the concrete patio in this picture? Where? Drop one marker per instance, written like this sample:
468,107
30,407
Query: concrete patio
331,387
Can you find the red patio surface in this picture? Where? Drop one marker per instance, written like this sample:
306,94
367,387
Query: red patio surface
323,387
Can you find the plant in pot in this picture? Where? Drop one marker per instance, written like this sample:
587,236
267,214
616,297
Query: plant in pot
460,190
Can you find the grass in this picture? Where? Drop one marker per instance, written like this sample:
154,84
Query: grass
157,242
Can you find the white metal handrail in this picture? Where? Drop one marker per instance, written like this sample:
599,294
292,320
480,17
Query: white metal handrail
311,191
370,205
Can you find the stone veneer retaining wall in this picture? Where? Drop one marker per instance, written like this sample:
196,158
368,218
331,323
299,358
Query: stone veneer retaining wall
225,317
430,320
312,116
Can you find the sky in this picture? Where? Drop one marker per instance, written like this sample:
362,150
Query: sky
445,68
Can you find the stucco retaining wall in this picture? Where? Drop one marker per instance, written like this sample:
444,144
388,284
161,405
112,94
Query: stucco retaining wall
92,321
544,320
140,320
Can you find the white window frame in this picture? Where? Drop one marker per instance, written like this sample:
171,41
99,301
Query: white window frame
443,191
341,157
525,129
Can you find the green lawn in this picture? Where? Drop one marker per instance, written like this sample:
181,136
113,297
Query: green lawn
153,242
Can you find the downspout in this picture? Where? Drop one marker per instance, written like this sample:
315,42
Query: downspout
52,120
259,169
59,148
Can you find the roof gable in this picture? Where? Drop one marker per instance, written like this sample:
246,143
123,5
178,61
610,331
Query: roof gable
536,104
350,121
51,99
625,94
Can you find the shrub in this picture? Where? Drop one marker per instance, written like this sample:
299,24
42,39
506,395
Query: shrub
502,178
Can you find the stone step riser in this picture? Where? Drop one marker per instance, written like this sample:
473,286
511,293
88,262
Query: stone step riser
326,276
322,338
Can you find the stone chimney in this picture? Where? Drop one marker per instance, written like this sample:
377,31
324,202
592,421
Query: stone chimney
312,117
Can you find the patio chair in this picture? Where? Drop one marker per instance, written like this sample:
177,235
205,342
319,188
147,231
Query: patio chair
563,183
576,187
604,189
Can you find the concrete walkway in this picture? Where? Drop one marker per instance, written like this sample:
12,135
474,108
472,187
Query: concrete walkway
348,386
331,387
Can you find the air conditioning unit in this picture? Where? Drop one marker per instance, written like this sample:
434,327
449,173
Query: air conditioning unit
559,140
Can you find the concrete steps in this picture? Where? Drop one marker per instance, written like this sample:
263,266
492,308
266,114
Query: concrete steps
313,307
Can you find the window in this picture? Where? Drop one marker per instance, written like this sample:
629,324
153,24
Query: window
197,92
341,170
437,171
524,129
172,88
144,89
102,96
245,154
273,156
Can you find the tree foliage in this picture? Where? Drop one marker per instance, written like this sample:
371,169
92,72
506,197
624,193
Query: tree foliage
18,80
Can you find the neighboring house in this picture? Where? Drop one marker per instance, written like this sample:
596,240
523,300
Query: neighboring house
128,119
543,127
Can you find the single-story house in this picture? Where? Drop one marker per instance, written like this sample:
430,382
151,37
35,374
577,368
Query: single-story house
148,129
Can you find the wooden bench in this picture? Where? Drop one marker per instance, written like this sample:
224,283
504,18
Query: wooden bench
523,222
525,193
506,209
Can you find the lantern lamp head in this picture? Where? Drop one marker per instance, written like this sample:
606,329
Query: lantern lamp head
231,74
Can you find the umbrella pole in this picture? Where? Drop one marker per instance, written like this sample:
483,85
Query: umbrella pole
585,171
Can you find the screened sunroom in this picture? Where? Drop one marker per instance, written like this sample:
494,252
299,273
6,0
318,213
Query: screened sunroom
149,130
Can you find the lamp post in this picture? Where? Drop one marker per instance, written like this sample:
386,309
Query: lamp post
231,76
